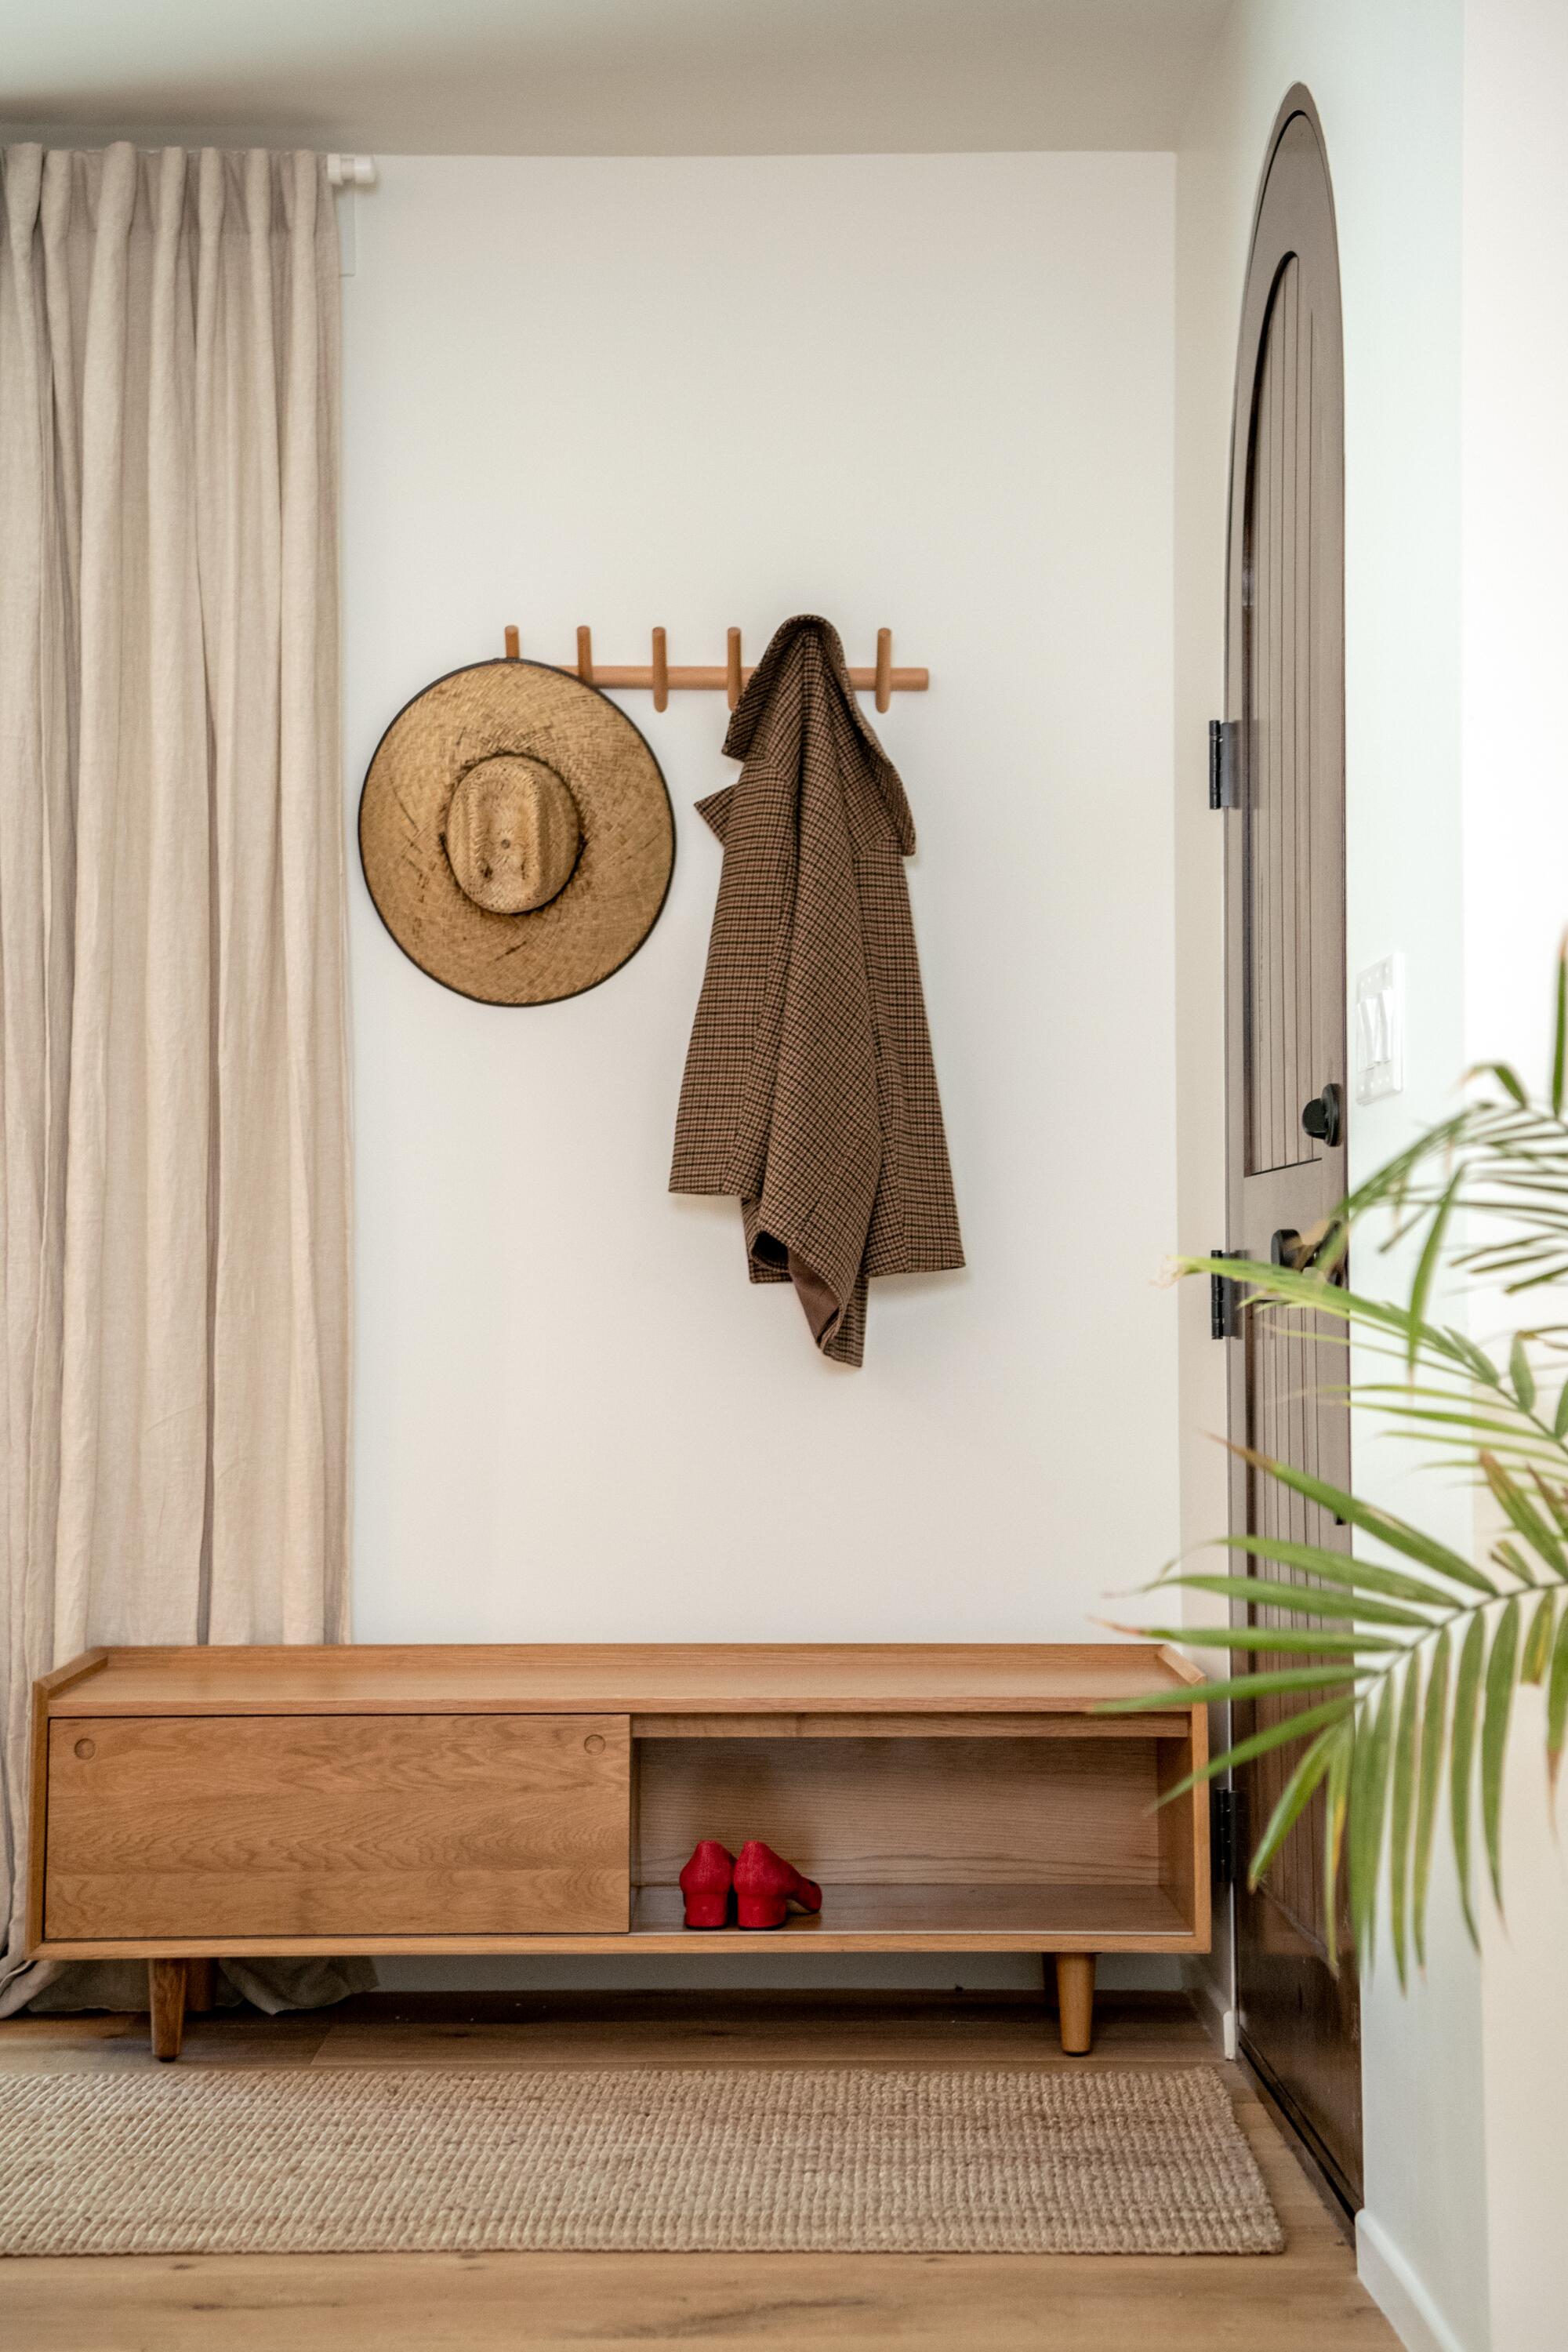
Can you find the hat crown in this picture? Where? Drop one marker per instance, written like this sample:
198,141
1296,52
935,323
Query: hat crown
513,833
516,833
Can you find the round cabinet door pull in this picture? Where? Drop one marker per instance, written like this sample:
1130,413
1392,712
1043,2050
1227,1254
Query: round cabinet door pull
86,1748
594,1743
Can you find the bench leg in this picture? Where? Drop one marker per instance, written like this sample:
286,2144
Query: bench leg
1075,2001
167,2000
201,1987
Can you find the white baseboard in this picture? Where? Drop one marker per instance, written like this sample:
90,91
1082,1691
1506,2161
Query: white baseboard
1399,2294
1213,2009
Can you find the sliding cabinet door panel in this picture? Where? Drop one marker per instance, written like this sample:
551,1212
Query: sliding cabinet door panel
338,1825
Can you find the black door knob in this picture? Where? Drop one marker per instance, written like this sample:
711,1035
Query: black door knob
1323,1117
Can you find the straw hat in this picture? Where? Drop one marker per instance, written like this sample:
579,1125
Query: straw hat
516,833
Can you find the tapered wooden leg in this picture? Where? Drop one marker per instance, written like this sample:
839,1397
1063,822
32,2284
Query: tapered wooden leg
1075,2001
201,1987
167,2000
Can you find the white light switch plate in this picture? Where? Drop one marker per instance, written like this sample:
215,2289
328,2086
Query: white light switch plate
1379,1030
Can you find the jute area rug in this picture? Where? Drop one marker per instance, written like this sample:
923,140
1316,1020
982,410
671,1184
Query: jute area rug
212,2159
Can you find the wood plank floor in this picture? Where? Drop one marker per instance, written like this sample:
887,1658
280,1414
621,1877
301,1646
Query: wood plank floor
1305,2300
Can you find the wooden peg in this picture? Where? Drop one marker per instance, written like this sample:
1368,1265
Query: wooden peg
884,668
586,656
513,643
732,669
660,672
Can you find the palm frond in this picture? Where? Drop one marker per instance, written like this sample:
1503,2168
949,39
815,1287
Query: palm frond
1557,1703
1434,1733
1404,1657
1502,1673
1403,1781
1537,1653
1369,1796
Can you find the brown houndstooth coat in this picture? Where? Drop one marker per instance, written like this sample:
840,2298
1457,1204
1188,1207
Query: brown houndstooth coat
809,1088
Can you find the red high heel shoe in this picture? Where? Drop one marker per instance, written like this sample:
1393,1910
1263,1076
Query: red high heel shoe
707,1883
765,1885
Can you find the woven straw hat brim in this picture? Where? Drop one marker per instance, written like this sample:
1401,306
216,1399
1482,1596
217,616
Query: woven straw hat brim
618,885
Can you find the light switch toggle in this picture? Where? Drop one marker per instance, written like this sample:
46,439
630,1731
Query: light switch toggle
1379,1030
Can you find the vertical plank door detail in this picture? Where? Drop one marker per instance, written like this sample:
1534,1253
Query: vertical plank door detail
1286,1155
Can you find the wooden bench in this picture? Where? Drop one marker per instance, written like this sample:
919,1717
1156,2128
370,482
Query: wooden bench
193,1804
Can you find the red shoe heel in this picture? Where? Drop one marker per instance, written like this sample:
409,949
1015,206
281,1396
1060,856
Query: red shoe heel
707,1883
760,1910
766,1885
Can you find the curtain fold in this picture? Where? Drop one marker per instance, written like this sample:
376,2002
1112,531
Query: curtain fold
174,1128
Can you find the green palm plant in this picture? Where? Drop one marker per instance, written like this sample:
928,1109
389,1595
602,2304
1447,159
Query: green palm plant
1411,1653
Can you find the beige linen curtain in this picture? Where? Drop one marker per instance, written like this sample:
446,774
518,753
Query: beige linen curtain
173,1178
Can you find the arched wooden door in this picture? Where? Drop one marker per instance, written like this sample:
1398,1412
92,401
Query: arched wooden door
1284,1000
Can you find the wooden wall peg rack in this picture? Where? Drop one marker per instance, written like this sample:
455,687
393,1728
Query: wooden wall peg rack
662,677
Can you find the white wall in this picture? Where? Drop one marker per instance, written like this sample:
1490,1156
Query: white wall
932,392
1516,890
1386,76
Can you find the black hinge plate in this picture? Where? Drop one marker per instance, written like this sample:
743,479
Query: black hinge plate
1223,1301
1225,779
1226,1838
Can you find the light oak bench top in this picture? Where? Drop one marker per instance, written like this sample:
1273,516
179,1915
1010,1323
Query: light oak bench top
615,1678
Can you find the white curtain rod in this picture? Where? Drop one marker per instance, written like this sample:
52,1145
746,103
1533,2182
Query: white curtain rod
351,171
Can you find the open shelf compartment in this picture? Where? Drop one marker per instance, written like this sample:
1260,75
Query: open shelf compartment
969,1837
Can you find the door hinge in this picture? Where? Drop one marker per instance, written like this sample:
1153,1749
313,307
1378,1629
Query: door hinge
1226,1838
1224,782
1223,1292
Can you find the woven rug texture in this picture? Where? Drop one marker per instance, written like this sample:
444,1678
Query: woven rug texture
212,2159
